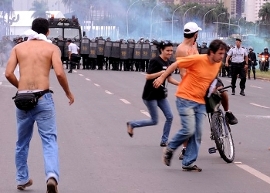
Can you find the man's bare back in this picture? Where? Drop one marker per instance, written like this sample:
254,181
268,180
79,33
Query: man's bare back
34,58
186,48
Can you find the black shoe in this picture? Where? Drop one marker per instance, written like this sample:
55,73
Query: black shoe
191,168
167,156
233,91
181,156
52,186
232,120
242,92
70,71
163,144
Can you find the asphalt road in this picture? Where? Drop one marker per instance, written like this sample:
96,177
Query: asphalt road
97,155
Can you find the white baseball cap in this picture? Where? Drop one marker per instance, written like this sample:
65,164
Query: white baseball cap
191,27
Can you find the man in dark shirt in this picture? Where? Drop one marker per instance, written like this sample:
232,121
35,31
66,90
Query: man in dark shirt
252,62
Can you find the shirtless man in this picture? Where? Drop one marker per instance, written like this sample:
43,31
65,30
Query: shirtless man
35,58
186,48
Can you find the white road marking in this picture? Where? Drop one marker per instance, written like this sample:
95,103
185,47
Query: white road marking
254,172
11,86
125,101
258,116
0,83
255,86
257,105
145,113
88,79
108,92
97,85
74,71
80,74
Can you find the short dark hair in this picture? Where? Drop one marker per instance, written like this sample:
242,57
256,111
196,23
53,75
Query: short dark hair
69,40
40,25
188,36
216,45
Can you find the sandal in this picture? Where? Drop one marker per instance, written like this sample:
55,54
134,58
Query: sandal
129,130
192,168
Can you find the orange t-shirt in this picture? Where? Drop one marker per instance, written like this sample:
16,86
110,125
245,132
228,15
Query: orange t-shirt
199,76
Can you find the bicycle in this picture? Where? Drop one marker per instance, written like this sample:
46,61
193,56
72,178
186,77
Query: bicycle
221,133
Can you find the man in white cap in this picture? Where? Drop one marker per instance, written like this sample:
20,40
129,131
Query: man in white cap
189,45
186,48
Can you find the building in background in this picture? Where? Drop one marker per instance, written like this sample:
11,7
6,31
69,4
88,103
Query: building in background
26,5
252,8
202,2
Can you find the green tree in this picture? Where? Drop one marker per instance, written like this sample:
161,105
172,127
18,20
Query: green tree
264,13
6,17
39,8
264,24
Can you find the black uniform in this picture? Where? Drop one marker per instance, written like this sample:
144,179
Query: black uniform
252,62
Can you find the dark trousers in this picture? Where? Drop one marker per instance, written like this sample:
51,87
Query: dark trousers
238,69
253,70
74,60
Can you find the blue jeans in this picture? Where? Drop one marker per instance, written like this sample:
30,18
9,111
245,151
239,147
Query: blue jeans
152,105
44,115
192,115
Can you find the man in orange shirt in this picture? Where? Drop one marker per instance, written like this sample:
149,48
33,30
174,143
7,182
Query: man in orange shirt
201,71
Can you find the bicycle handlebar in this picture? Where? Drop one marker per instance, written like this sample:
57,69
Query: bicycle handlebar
224,88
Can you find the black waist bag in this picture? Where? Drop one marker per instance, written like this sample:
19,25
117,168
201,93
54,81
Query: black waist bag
28,101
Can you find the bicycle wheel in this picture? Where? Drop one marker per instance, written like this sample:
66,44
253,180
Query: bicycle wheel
224,142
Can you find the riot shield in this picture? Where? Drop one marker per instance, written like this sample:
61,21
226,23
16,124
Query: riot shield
173,59
154,51
85,46
131,47
124,51
115,50
100,46
203,50
108,49
137,51
63,47
146,51
93,50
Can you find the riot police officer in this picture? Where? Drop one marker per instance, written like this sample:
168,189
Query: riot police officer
252,63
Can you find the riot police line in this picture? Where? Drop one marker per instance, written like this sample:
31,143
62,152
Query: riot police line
126,55
105,54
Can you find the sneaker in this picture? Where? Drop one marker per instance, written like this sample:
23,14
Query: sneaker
181,156
233,91
191,168
232,120
52,186
22,187
242,92
163,144
167,156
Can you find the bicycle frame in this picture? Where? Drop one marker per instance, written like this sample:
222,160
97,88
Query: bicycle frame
221,134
